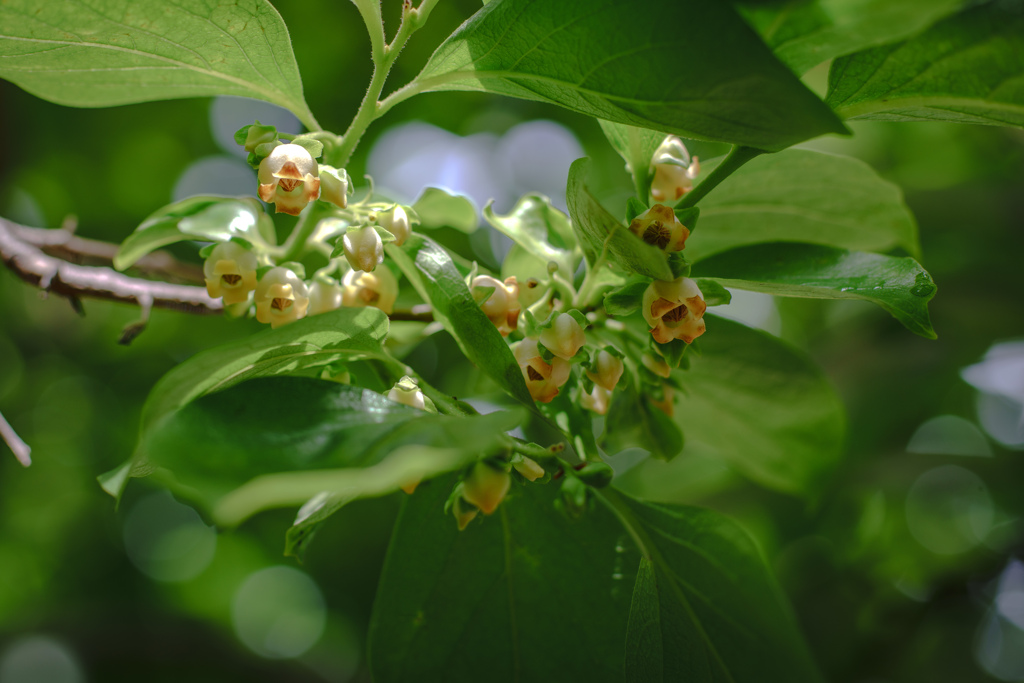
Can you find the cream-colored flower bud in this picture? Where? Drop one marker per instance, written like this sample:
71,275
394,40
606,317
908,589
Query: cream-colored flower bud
667,403
230,272
334,185
543,379
364,248
486,486
502,306
396,221
656,365
659,227
289,179
607,370
674,309
597,400
674,171
464,513
378,289
324,297
281,297
528,467
407,392
564,337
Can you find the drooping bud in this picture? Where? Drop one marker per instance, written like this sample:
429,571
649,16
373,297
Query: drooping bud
410,487
597,400
486,486
281,297
674,309
659,227
502,305
656,365
251,137
364,248
289,179
607,370
543,379
528,467
564,337
230,272
378,289
464,513
666,403
324,297
334,185
674,171
396,221
407,392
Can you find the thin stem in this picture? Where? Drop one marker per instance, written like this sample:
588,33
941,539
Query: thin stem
20,449
305,116
296,244
589,280
738,156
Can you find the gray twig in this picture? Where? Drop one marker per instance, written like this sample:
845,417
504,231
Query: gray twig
20,449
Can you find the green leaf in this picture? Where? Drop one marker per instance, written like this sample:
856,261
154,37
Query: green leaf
637,147
207,218
968,68
715,294
613,61
898,284
319,340
107,53
438,208
492,602
804,34
761,405
627,299
540,229
431,271
634,423
803,196
603,237
705,607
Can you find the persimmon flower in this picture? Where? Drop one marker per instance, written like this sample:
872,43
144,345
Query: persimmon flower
597,400
607,370
564,337
502,305
656,365
667,402
674,171
528,467
659,227
334,185
364,248
396,221
407,392
464,513
281,297
674,309
230,272
543,379
289,179
324,297
378,289
486,486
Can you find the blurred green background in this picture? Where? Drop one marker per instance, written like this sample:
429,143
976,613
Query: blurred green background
906,567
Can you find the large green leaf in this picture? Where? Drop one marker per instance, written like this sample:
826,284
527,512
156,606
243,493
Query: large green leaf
491,603
604,238
803,34
431,271
761,405
898,284
637,146
687,67
968,68
437,208
102,53
541,229
705,608
803,196
208,218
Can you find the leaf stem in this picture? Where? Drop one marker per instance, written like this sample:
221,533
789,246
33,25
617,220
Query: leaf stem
738,156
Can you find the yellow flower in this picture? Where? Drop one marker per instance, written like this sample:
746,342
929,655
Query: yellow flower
564,337
659,227
674,310
378,289
281,297
502,306
230,272
334,185
528,467
486,486
674,171
542,379
597,400
289,179
607,370
364,248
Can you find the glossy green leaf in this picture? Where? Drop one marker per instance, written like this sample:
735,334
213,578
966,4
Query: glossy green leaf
487,603
541,229
762,406
968,68
109,52
705,607
898,284
803,196
609,60
804,34
637,147
604,239
431,271
633,422
206,218
319,340
438,208
576,423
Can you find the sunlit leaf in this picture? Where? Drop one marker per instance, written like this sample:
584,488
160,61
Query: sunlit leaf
540,229
438,208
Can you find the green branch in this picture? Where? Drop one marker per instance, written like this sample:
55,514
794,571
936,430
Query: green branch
738,156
